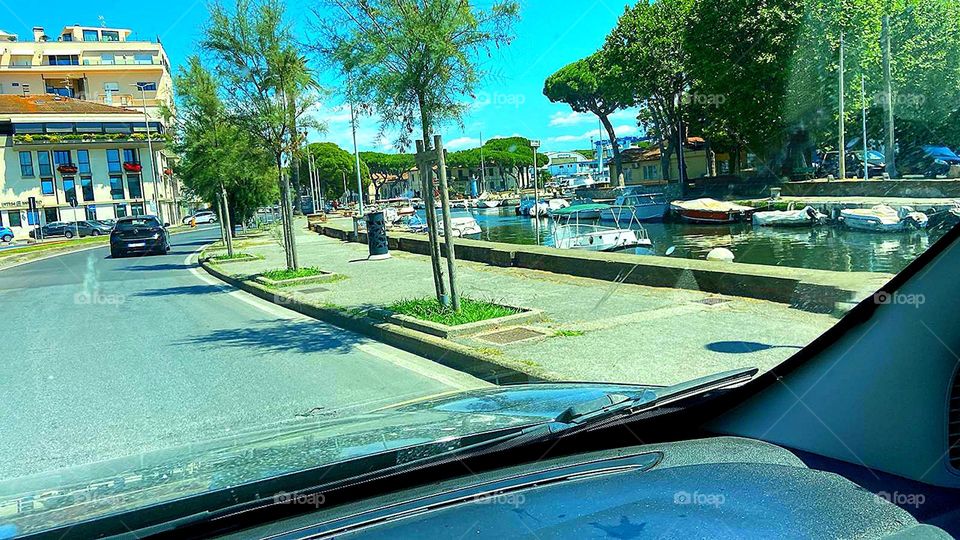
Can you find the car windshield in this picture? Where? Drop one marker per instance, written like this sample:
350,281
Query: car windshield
364,225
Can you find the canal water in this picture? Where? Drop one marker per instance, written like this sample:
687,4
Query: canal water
822,248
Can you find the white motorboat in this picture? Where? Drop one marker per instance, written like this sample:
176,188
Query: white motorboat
645,207
462,226
789,218
570,233
882,218
486,201
523,207
544,208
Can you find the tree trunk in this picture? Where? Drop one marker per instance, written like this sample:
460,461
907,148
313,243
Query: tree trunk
286,217
227,222
431,210
618,166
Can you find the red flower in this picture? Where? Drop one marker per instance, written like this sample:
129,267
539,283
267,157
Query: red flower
132,166
67,168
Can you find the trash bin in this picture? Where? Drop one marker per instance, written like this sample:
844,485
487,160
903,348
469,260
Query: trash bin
377,236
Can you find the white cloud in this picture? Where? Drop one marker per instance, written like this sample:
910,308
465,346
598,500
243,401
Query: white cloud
571,118
621,131
461,142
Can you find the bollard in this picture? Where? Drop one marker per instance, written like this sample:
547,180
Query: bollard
377,236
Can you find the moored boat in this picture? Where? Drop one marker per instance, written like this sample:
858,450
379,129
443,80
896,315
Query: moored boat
544,207
645,207
711,211
570,233
788,218
883,218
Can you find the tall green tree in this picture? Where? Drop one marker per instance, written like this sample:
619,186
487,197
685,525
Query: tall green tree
269,83
593,85
385,166
413,61
648,49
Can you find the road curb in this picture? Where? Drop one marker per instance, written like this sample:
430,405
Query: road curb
444,352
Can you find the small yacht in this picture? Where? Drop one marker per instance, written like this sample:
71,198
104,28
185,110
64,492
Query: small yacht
645,207
789,218
882,218
569,232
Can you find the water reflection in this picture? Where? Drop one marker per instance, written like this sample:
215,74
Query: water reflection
824,248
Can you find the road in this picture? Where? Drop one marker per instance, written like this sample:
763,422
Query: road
111,357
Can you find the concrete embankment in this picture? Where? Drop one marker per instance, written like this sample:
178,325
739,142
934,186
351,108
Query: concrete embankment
817,291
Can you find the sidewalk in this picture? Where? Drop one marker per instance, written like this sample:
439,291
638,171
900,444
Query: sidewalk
594,330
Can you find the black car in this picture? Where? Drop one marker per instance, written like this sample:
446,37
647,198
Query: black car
139,234
68,229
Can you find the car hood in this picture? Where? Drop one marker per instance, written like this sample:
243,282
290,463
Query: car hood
63,496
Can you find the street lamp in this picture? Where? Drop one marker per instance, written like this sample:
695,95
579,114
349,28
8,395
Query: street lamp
153,157
536,191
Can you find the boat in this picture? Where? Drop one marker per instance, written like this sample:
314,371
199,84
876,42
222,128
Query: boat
486,201
570,184
523,207
544,207
462,226
646,207
711,211
882,218
807,215
569,232
592,213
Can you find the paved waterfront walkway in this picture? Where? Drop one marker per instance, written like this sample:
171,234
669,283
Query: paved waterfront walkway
595,330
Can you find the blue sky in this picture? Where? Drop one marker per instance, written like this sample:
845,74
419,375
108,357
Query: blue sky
550,34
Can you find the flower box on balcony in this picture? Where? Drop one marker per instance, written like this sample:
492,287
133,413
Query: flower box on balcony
168,172
131,166
67,168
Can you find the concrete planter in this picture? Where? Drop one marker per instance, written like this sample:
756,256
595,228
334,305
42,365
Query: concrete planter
245,258
325,277
444,331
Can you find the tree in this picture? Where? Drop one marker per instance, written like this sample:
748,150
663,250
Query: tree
595,85
384,166
335,167
217,156
270,86
651,59
739,52
413,61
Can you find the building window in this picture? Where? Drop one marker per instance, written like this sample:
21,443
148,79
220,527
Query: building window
86,185
116,187
83,161
130,155
43,161
147,86
136,209
13,217
66,37
69,190
120,210
63,60
113,161
91,35
61,157
143,58
111,87
107,59
64,91
109,35
46,186
134,187
50,215
91,212
26,164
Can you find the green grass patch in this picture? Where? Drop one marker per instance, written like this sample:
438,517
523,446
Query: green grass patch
488,351
228,257
568,333
428,309
55,245
285,273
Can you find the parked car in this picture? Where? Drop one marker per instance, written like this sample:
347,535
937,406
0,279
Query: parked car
830,164
66,229
107,222
6,234
204,216
930,161
139,234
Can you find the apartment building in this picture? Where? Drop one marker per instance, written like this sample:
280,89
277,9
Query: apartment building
79,113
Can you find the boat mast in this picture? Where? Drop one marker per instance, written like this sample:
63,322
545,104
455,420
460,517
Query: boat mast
863,102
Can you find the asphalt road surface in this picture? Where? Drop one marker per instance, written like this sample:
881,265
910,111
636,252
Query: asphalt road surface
106,357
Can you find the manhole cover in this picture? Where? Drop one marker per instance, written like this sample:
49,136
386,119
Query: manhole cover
511,335
311,290
713,301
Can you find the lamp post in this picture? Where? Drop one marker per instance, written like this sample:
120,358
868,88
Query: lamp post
356,157
536,191
153,157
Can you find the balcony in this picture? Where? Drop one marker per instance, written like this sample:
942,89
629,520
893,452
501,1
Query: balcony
128,100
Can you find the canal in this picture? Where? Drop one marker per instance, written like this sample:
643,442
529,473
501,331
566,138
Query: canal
823,248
